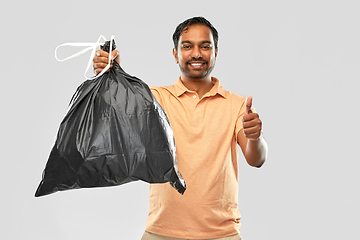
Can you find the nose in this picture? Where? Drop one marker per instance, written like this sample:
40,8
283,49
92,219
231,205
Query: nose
196,53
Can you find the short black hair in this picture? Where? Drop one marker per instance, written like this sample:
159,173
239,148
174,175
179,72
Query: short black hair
192,21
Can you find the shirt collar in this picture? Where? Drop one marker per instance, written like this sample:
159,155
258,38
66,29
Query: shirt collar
179,88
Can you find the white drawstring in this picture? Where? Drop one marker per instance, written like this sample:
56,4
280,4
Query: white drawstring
90,46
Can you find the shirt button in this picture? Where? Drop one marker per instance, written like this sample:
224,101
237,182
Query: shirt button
194,96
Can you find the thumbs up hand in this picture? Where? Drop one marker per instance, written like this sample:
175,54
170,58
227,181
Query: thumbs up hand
252,124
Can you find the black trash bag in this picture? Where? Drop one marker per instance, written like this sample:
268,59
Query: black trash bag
114,132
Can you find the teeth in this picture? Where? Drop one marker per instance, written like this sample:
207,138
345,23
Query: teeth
196,64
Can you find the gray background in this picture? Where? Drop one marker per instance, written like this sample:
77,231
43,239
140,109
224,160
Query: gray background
298,59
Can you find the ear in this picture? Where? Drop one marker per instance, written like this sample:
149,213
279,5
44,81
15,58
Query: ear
216,52
175,56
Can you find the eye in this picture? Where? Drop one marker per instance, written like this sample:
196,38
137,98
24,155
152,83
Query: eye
185,47
206,47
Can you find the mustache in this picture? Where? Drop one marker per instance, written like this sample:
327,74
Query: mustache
196,60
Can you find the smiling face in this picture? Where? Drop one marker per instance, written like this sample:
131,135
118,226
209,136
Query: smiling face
196,53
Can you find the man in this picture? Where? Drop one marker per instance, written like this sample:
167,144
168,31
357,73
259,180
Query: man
208,123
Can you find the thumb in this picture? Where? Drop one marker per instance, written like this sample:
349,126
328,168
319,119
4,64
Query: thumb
115,56
248,105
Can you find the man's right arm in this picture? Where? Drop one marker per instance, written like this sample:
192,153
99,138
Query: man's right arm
101,60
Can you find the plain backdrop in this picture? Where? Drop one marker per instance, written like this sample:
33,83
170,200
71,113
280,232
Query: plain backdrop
299,60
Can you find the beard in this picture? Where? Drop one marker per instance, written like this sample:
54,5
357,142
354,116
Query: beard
197,74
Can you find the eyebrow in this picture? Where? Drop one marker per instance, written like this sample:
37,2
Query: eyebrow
206,41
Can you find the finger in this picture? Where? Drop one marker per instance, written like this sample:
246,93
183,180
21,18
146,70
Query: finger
252,126
101,53
253,132
248,105
99,65
101,59
250,117
115,55
252,123
101,56
254,136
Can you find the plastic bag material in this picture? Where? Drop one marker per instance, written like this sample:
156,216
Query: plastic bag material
114,132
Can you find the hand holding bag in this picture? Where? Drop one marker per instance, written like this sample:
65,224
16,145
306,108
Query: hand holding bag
114,132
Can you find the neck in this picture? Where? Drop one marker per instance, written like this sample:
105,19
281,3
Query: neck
200,85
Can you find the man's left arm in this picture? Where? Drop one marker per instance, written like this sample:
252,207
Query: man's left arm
251,141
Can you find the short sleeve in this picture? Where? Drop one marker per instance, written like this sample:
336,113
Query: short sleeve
157,95
239,126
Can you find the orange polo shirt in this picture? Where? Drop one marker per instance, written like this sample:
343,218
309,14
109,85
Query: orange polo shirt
205,133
